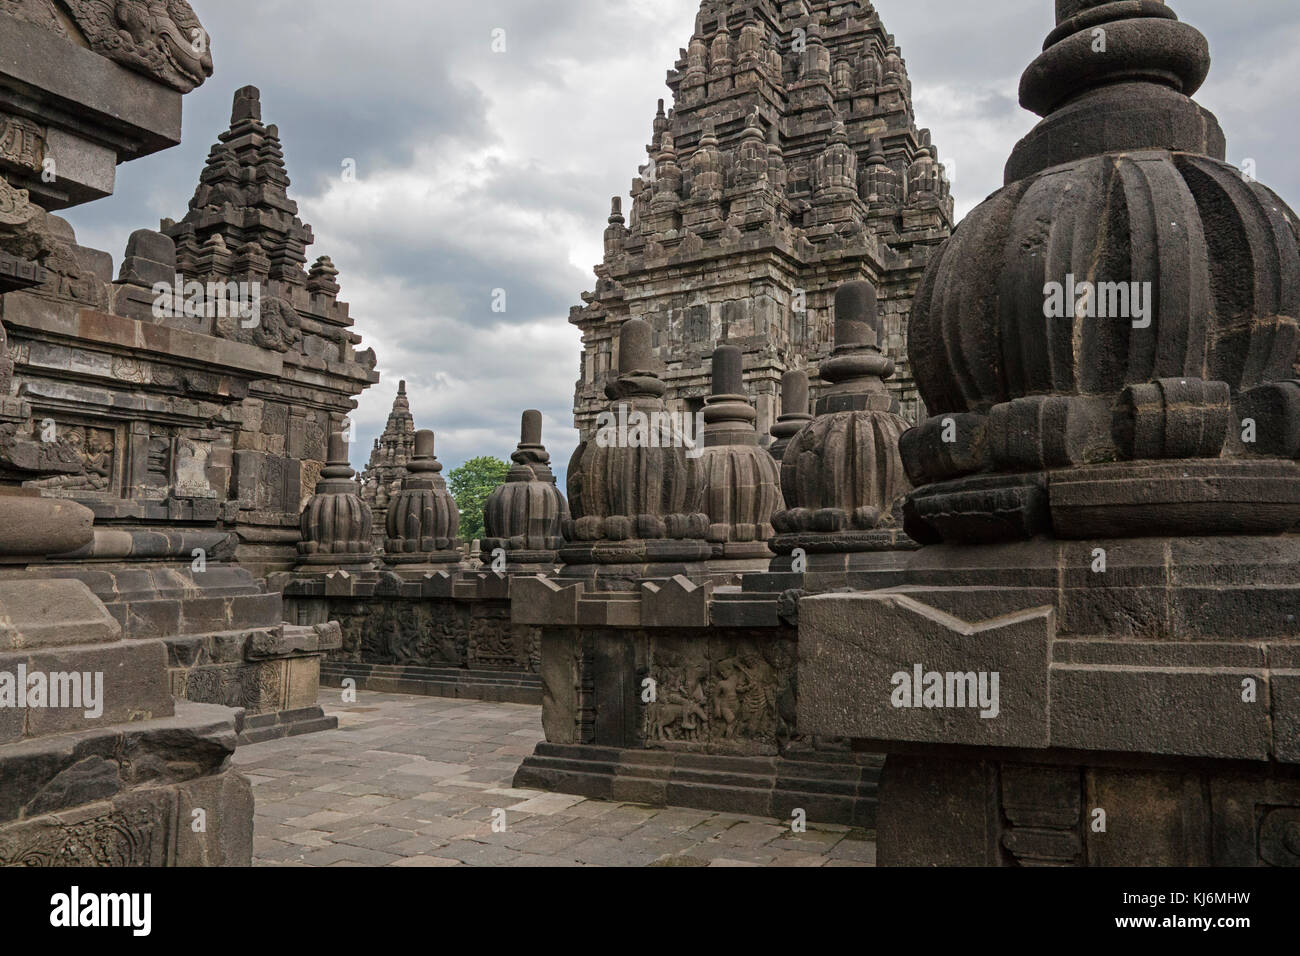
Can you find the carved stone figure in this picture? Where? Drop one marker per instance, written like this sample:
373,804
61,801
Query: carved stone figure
162,38
679,711
94,448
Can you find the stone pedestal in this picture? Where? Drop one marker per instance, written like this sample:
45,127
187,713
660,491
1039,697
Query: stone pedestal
685,695
442,634
226,637
1163,692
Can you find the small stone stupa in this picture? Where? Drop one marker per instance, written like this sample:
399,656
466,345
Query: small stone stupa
525,516
841,473
635,488
423,518
336,522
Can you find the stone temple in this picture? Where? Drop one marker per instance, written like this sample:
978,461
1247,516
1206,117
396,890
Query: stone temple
788,164
392,452
949,568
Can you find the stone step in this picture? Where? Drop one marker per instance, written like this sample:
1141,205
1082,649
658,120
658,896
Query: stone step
515,687
285,723
841,789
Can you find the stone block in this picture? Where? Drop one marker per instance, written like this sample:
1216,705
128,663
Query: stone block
1196,712
865,658
560,673
225,808
134,684
936,813
676,602
49,613
1153,818
542,601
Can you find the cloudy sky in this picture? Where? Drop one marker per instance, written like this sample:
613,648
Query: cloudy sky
480,170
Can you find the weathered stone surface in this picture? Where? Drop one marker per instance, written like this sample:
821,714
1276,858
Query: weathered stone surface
886,666
50,613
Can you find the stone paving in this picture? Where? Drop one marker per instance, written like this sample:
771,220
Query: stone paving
423,781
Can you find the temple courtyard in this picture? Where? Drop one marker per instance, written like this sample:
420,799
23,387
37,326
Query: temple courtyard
421,781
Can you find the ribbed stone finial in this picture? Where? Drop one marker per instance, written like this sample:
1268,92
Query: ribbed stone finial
530,429
728,370
335,523
1094,395
742,480
794,393
422,519
795,411
634,488
636,347
856,320
841,474
525,516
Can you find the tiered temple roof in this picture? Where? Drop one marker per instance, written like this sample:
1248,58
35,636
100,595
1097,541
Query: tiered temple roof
790,164
392,451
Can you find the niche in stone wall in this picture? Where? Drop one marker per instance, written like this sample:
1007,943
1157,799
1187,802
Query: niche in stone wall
190,469
92,448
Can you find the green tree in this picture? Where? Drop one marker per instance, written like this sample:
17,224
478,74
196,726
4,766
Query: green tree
470,485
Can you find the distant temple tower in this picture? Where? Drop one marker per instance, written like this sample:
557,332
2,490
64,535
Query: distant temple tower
392,451
790,165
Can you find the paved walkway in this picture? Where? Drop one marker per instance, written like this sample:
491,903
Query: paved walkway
425,781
